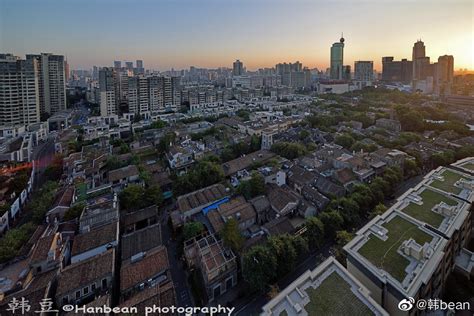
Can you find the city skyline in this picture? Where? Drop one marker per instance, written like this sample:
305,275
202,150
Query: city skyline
169,34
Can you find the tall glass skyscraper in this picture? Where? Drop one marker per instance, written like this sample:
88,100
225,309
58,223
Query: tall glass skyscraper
337,57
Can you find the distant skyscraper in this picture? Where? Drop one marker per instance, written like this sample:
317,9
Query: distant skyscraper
238,68
19,91
140,70
346,72
129,65
107,88
421,63
66,70
117,64
443,72
337,59
397,71
52,82
364,70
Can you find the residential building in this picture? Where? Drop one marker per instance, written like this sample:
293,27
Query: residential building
144,270
19,91
81,282
107,88
410,250
94,242
238,68
397,71
329,289
364,70
52,82
217,264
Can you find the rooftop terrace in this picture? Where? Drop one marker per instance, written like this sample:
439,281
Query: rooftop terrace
327,290
382,249
421,206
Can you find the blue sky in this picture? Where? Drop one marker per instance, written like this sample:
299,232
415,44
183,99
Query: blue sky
211,33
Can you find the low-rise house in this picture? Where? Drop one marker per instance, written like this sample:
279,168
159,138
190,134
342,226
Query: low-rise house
246,161
318,200
391,125
217,264
136,220
49,252
162,295
94,242
392,157
124,176
144,270
180,157
282,200
194,202
278,226
262,208
81,282
140,240
329,188
99,211
299,177
238,209
61,204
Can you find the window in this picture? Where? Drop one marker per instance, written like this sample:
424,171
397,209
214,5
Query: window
78,294
104,284
93,287
85,290
65,300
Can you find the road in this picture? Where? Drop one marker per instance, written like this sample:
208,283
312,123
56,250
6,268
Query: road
178,272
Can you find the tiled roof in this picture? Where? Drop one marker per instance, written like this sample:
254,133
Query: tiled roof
141,240
97,237
85,272
133,273
201,197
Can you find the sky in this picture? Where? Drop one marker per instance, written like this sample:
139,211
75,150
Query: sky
176,34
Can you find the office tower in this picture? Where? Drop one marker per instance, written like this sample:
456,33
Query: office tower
19,91
364,70
117,65
421,63
129,65
107,88
445,69
443,74
397,71
139,70
346,72
337,59
238,68
52,83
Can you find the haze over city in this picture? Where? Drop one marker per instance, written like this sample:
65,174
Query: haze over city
211,33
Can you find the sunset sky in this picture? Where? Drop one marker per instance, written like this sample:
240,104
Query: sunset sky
212,33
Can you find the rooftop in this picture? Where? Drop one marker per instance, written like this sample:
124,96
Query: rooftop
141,240
136,271
201,198
246,161
398,249
327,290
85,272
94,238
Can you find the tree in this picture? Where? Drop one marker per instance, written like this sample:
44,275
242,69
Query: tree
345,140
379,209
253,187
259,266
204,174
192,229
342,238
289,150
332,222
410,168
153,195
131,197
74,211
231,235
314,232
282,246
